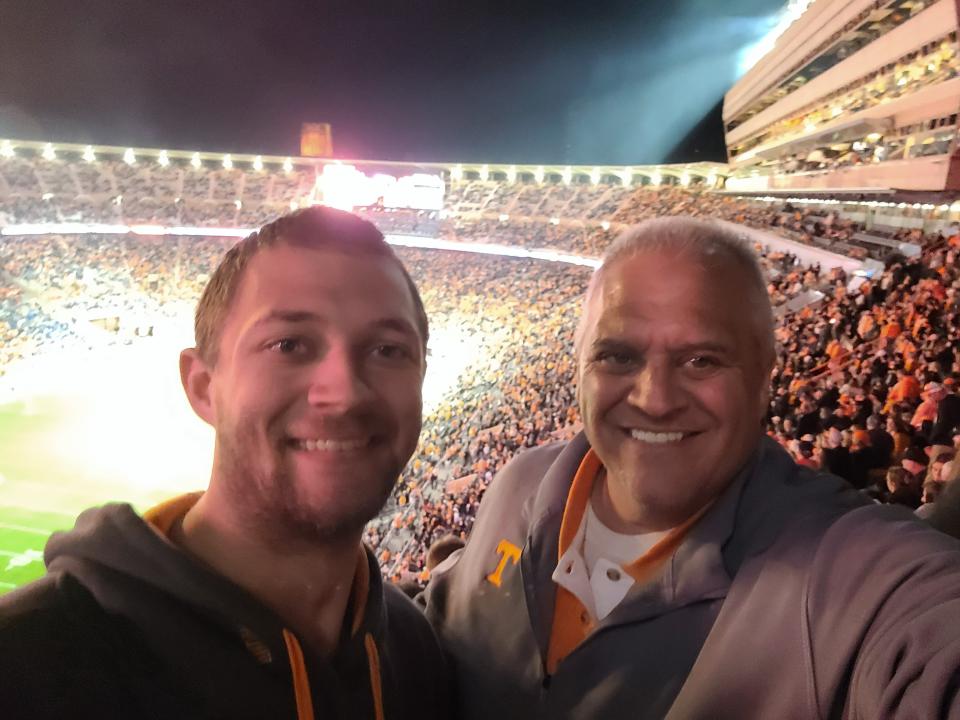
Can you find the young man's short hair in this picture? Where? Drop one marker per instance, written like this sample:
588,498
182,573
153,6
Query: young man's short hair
317,227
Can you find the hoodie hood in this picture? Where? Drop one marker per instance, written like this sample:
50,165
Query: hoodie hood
195,619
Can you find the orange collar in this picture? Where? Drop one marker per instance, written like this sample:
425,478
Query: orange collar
577,499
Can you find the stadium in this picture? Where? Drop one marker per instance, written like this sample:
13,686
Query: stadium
843,173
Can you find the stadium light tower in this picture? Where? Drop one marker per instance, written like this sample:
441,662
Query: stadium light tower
258,163
88,154
6,149
195,161
288,165
48,152
129,158
163,159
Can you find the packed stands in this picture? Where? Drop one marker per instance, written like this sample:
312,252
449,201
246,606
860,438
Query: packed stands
870,365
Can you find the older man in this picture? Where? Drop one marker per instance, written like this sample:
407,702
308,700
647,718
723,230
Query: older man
671,561
256,598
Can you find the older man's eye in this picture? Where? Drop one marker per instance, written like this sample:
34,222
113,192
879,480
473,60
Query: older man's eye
614,359
703,362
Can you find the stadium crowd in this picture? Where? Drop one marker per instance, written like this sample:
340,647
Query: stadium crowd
866,386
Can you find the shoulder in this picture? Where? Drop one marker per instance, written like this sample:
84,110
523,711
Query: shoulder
417,662
52,632
519,481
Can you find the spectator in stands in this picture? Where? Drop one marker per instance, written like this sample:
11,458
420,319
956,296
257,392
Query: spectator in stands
255,599
613,575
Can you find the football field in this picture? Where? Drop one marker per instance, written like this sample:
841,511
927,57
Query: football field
86,428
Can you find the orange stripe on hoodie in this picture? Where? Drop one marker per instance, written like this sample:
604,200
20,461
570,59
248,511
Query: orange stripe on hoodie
162,518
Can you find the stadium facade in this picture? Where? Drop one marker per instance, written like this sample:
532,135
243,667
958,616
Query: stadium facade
856,97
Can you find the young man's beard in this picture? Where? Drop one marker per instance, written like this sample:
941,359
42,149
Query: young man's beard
267,502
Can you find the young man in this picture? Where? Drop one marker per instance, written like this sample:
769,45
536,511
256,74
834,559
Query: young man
671,561
255,599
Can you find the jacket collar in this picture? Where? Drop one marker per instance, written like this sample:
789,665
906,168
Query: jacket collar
700,569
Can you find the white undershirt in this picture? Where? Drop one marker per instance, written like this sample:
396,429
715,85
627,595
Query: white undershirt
592,567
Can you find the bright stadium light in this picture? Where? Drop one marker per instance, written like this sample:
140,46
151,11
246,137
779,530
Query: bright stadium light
6,149
163,159
288,165
195,161
128,157
227,162
258,163
512,174
88,154
484,172
48,152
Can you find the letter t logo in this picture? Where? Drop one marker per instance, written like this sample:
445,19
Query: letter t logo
507,551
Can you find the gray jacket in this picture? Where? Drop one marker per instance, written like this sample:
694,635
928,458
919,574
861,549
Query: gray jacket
792,598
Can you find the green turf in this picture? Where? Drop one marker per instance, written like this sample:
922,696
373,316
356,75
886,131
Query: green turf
36,493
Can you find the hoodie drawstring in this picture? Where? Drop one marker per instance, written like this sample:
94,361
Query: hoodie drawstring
301,681
373,661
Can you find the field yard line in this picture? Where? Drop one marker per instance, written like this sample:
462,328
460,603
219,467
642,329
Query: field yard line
24,528
34,509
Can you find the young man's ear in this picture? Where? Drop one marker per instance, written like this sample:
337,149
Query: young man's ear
195,378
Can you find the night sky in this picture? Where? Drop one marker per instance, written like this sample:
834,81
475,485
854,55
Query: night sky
524,81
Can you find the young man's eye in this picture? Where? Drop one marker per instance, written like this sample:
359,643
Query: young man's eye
390,351
287,345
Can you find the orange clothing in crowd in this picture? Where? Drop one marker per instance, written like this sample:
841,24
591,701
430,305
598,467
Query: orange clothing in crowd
907,388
